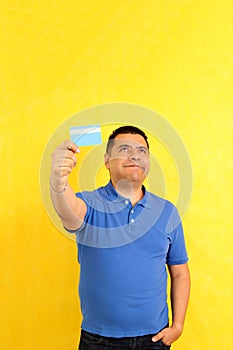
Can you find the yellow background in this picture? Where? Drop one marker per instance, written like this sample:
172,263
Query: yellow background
59,57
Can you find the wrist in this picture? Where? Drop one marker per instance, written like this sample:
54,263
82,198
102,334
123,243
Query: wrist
178,326
58,188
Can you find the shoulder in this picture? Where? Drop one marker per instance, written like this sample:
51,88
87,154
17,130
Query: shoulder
168,213
87,195
95,198
156,200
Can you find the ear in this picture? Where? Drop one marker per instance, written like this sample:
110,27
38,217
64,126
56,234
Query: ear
106,160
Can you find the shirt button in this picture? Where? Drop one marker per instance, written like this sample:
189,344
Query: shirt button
132,211
132,221
126,201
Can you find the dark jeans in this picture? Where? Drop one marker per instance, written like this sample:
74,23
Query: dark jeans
89,341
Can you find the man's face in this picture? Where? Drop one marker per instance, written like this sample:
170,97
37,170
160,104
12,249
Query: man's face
129,159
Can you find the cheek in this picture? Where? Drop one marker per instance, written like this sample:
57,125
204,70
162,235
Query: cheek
113,164
147,167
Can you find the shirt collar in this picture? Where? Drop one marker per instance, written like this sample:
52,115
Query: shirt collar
113,195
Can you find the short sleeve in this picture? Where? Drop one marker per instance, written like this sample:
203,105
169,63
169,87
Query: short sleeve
177,253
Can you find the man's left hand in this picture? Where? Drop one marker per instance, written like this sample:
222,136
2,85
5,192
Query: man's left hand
168,335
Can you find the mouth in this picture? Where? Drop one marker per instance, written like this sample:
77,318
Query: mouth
133,166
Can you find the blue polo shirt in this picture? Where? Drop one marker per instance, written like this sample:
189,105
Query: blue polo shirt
123,252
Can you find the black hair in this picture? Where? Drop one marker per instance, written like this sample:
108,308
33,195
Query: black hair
127,129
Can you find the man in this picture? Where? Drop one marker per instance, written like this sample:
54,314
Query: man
126,237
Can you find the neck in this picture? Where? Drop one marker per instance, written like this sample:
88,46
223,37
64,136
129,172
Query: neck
128,190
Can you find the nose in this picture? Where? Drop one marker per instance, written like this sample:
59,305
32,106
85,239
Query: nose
134,155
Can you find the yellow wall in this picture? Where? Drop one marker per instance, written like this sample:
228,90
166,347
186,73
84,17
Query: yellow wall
59,57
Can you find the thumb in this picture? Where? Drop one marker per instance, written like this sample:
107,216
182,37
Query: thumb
157,337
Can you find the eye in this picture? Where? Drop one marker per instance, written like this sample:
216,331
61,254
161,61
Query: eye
143,150
124,149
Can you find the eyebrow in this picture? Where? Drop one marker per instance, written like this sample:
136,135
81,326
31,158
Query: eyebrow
143,147
128,145
124,145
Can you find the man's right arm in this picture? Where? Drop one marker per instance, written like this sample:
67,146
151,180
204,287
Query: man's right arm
70,209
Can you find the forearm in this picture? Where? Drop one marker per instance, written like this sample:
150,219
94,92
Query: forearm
65,204
180,291
69,208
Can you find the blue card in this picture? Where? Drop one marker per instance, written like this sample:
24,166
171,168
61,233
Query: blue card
87,135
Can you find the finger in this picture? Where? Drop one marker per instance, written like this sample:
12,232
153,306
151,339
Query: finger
65,171
157,337
73,147
69,155
65,161
59,157
68,145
